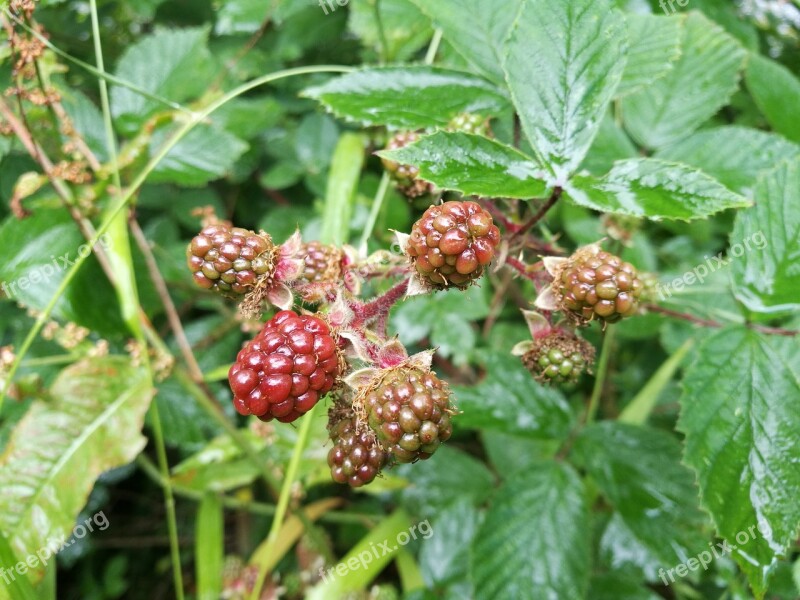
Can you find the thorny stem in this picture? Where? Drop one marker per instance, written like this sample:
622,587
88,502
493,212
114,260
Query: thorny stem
716,324
525,270
551,202
380,306
499,215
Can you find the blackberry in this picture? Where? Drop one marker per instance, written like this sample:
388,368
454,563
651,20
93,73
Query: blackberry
284,371
322,262
594,284
452,243
230,260
409,410
356,458
406,177
558,358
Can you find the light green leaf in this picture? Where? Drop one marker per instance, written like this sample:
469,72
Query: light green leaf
747,153
534,542
654,189
699,84
405,29
639,471
740,412
477,29
511,401
655,45
473,165
776,92
564,62
174,64
205,154
765,244
240,16
60,448
412,97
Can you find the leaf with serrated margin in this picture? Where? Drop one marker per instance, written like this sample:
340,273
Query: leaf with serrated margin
700,83
564,61
654,189
776,91
473,165
639,471
412,97
477,29
56,453
765,244
534,542
747,153
655,45
740,411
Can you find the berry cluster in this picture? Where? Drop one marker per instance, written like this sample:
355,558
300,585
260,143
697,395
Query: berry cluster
452,243
355,458
229,259
558,358
406,177
286,369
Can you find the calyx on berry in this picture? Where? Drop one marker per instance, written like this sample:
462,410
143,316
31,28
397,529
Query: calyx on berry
451,244
284,371
592,284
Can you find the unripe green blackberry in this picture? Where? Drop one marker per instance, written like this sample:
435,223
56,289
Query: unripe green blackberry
321,262
470,123
452,243
406,177
558,358
356,458
409,410
229,259
594,284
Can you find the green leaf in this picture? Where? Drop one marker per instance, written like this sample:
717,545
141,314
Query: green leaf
616,586
655,45
348,159
765,244
209,543
511,401
534,542
412,97
205,154
240,16
38,251
173,64
473,165
776,91
564,62
405,29
639,471
18,587
61,447
699,84
477,29
610,145
748,153
654,189
444,558
740,412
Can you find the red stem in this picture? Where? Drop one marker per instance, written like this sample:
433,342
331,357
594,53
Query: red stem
498,215
710,323
551,202
380,306
522,269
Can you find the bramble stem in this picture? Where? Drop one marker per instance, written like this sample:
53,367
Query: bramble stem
380,306
551,202
600,378
716,324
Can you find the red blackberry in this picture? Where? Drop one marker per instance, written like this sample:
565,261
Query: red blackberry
409,410
286,368
355,459
452,243
322,262
229,259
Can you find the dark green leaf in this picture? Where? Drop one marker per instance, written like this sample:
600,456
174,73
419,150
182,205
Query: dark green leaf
776,92
413,97
473,165
534,542
511,401
699,84
654,189
564,62
740,412
765,244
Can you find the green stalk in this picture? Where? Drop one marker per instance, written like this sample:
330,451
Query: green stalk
375,211
430,56
600,378
123,200
283,500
